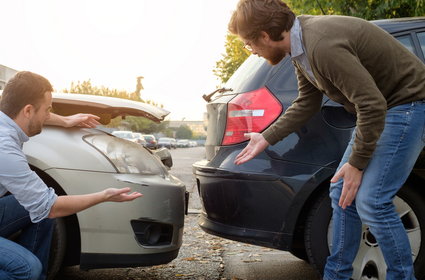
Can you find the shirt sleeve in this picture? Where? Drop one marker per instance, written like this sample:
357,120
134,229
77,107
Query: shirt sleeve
29,190
307,103
346,72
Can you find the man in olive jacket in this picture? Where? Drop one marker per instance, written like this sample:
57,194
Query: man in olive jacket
361,66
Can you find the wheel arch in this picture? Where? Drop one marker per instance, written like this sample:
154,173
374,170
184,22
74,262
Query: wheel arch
73,240
298,245
417,182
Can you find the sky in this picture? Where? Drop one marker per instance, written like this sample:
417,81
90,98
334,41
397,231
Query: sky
173,44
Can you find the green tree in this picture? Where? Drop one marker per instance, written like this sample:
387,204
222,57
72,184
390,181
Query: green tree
368,9
168,132
234,57
184,132
86,87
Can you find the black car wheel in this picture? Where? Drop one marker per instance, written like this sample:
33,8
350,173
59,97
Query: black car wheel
369,262
58,248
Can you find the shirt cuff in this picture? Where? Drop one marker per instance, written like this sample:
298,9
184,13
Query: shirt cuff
44,210
270,136
359,162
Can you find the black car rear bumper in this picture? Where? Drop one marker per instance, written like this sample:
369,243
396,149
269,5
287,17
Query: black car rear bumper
250,208
276,240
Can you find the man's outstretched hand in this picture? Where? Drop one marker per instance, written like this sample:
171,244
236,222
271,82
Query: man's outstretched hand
81,120
256,145
120,195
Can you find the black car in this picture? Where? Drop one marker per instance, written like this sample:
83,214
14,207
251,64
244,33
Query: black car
280,199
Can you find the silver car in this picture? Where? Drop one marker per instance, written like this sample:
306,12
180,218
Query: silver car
125,134
144,232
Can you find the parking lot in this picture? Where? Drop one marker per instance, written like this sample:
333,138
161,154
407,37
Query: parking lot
204,256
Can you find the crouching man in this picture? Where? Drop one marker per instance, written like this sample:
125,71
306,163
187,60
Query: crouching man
31,206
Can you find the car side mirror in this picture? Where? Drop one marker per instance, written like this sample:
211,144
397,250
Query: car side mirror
165,156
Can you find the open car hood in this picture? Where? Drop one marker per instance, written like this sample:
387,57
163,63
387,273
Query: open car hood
105,107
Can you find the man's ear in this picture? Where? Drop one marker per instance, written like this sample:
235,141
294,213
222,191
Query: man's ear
27,111
264,36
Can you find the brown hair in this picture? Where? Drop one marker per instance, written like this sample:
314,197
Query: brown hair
253,16
22,89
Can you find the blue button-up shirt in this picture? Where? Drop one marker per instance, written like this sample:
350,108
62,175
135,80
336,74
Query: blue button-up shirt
17,177
298,50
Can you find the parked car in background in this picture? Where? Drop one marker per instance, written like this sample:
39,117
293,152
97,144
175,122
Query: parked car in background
280,199
151,142
125,134
193,144
140,139
144,232
183,143
167,142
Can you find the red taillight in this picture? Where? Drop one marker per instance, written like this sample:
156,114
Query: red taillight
250,112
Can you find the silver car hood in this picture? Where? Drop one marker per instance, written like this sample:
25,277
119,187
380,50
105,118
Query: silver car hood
106,107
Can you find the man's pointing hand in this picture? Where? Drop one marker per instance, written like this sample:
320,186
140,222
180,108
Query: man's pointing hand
256,145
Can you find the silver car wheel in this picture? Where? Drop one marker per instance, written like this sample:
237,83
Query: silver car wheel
369,263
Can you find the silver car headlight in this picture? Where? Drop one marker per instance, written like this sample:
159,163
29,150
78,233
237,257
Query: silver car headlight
126,156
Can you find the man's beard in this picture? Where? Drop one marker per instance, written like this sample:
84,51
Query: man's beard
276,56
34,128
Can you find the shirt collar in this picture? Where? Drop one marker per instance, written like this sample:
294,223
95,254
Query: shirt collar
297,48
5,120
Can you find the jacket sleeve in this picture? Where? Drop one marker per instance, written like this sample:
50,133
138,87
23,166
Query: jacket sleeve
307,103
351,78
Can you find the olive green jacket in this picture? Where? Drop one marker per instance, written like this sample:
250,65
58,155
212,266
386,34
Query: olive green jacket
359,65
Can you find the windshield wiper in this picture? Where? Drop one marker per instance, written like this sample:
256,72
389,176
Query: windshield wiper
207,97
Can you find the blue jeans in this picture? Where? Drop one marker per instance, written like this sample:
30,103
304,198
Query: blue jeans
28,257
395,155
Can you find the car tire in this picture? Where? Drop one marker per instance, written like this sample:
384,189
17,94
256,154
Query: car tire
370,262
58,248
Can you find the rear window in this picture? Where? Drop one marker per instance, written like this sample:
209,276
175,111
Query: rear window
245,75
253,74
407,42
